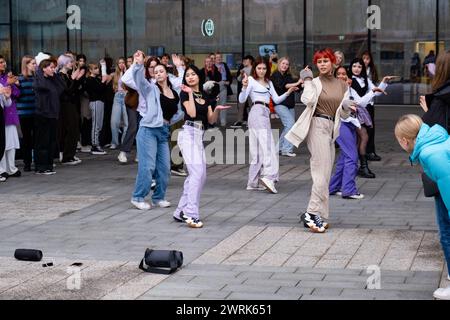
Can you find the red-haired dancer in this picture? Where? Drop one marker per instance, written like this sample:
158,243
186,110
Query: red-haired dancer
327,101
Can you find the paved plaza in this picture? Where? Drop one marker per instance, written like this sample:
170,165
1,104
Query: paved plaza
252,245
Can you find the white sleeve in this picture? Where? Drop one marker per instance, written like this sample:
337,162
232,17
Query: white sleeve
128,80
275,97
243,96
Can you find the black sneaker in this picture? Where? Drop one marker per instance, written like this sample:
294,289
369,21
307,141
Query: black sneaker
191,222
46,172
18,174
180,172
98,151
314,223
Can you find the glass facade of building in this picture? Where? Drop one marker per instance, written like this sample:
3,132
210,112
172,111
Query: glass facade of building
293,28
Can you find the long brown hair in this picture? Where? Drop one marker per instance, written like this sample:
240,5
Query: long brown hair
373,68
260,60
25,61
442,70
118,73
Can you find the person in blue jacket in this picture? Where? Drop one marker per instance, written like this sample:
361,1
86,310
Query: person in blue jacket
430,146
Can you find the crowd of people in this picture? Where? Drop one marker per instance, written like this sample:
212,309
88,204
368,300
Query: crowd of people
60,106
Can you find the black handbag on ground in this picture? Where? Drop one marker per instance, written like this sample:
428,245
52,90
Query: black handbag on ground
161,261
430,188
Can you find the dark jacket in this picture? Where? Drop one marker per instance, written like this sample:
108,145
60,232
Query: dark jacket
95,89
438,107
71,94
48,92
230,79
279,82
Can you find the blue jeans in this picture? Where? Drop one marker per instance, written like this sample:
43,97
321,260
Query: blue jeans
287,117
154,162
443,221
119,111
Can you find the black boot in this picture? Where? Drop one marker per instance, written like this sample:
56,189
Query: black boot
364,171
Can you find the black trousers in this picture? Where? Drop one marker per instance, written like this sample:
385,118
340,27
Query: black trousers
86,132
105,133
27,141
371,131
46,144
128,141
68,131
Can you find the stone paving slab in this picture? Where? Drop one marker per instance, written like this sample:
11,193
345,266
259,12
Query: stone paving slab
252,246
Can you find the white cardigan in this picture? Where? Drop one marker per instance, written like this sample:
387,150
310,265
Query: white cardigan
310,98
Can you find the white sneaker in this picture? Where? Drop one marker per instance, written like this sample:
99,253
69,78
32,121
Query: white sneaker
289,154
144,206
113,147
448,278
122,157
162,204
355,197
259,188
86,149
269,185
442,294
61,156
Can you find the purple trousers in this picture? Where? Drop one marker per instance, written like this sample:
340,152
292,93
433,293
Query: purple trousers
344,178
190,141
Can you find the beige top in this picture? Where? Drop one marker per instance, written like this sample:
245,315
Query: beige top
330,98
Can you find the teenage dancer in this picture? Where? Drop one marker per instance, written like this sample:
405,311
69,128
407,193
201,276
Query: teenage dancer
198,114
327,101
264,164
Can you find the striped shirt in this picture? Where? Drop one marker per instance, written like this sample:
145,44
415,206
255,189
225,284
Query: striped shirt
26,104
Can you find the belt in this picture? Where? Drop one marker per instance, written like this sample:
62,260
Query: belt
324,116
194,124
261,103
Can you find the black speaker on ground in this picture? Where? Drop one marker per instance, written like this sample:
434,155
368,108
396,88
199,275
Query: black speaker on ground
28,255
161,261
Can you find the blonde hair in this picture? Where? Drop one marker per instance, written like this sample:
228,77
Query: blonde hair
91,67
25,61
340,53
288,71
408,126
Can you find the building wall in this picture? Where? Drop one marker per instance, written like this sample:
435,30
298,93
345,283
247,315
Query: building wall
295,27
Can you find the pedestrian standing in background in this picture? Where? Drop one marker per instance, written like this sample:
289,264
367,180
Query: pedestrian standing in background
119,111
282,81
7,165
26,107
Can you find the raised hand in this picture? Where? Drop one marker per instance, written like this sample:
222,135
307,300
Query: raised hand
306,74
139,57
245,80
293,89
388,79
423,103
186,89
6,91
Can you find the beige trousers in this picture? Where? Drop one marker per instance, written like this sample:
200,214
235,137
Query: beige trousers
322,149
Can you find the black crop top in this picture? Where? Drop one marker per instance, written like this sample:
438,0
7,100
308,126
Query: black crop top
169,106
202,110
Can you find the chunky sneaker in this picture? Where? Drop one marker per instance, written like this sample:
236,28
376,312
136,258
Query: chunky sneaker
162,204
270,186
442,294
288,154
339,194
144,206
314,223
98,151
18,174
259,188
180,172
354,197
122,158
191,222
